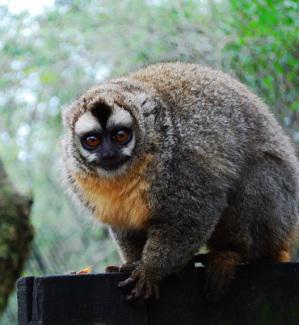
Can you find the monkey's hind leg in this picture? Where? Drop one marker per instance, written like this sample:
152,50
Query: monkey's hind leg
280,255
283,256
220,270
259,223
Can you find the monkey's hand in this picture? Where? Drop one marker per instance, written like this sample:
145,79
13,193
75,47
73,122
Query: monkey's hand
160,258
141,284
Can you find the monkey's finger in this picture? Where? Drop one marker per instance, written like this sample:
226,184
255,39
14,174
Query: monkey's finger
148,292
140,291
133,296
130,297
145,290
127,282
137,291
128,267
112,269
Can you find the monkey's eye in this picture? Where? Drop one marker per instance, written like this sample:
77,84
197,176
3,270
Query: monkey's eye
91,142
122,136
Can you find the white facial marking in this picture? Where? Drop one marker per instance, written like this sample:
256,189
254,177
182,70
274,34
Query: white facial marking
120,116
87,123
128,150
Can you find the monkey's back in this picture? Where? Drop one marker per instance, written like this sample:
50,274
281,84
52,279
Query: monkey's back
227,123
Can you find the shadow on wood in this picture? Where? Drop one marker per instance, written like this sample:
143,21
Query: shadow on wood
260,294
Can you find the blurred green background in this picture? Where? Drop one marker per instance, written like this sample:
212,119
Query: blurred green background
52,53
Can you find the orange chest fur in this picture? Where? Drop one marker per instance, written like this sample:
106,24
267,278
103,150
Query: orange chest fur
121,202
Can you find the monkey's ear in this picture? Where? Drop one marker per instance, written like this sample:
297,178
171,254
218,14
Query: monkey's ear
148,103
67,115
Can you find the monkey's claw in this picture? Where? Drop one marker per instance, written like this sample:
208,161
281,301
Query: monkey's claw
126,283
143,288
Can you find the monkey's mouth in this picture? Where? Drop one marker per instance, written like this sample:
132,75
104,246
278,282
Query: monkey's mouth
111,164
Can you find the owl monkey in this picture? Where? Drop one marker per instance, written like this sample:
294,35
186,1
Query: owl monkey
176,156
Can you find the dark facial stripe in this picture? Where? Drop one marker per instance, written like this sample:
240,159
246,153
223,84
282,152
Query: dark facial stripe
102,113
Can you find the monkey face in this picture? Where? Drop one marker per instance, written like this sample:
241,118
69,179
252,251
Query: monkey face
105,138
110,129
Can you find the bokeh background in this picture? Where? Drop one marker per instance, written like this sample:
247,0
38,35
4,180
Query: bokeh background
51,51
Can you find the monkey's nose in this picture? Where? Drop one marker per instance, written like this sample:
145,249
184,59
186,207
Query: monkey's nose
108,156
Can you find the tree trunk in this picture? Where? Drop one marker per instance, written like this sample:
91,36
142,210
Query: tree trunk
16,234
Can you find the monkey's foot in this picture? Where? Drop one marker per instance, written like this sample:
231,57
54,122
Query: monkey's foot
220,270
126,268
139,286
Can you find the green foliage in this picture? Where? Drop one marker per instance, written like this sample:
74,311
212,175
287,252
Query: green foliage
264,52
49,59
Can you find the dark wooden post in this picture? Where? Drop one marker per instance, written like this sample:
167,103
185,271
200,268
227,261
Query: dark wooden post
260,294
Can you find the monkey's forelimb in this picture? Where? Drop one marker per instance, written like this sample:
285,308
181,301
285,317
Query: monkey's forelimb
159,259
130,243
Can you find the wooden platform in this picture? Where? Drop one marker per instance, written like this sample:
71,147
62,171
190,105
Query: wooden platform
260,294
